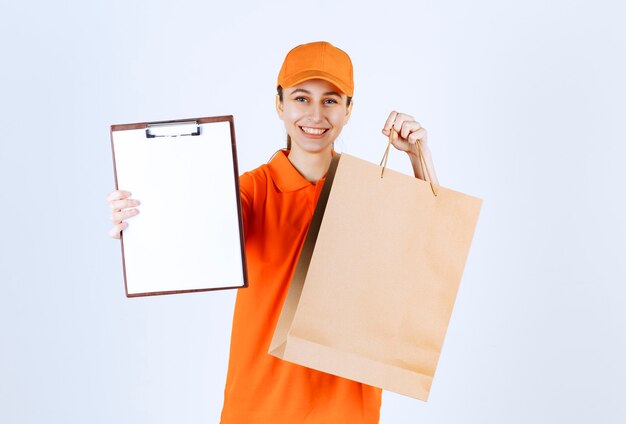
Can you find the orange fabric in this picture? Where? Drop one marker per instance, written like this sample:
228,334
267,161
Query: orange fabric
318,60
278,205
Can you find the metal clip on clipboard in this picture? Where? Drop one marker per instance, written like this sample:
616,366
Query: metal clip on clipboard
173,129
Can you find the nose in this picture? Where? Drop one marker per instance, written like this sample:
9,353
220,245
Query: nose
316,112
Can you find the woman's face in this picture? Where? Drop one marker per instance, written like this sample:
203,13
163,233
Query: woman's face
314,113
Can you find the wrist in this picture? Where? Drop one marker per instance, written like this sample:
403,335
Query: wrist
413,151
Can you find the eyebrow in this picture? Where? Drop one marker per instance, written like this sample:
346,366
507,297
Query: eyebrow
329,93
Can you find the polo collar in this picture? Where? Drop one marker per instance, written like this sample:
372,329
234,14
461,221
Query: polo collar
285,175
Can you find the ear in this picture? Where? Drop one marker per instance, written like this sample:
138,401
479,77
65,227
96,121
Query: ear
279,107
348,113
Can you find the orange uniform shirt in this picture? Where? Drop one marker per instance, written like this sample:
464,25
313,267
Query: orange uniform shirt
278,205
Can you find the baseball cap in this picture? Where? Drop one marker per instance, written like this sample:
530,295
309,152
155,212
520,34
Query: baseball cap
317,60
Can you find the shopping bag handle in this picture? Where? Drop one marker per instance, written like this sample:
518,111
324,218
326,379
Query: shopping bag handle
393,133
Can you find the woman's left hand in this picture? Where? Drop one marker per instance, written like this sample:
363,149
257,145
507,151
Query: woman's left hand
408,132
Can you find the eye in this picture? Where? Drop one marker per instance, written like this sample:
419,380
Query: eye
300,99
330,101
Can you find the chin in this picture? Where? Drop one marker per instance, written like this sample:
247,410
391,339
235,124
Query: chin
310,146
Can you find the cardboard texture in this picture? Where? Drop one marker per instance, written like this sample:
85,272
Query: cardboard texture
376,281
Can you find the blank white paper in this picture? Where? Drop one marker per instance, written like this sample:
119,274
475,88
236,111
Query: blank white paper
187,234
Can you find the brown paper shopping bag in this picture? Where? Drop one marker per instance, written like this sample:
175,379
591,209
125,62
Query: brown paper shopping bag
374,287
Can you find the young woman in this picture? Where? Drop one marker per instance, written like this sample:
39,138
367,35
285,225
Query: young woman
314,101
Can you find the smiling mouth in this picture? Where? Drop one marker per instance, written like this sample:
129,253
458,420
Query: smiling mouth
314,131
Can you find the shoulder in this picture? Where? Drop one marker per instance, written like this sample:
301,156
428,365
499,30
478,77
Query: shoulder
253,184
256,176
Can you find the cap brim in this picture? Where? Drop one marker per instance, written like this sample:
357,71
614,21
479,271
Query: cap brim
315,74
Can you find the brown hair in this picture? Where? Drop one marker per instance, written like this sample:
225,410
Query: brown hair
280,97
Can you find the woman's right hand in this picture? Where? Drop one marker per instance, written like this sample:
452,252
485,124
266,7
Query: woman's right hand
122,208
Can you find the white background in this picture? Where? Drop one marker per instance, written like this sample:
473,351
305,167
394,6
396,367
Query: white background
524,103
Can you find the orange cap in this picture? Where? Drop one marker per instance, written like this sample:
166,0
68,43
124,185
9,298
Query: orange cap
317,60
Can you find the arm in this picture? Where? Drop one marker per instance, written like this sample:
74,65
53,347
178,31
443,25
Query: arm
408,133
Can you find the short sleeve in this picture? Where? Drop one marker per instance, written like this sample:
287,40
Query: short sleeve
246,191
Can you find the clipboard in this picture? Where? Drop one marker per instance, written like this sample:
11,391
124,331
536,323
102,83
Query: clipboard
188,235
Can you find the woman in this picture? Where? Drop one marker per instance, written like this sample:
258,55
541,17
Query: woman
314,101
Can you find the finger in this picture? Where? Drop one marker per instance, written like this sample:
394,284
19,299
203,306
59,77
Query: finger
408,127
117,195
116,231
418,135
118,217
390,120
118,205
401,119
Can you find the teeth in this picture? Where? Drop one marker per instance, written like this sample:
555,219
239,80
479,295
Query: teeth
314,131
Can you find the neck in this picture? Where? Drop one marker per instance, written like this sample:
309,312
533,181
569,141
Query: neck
312,166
